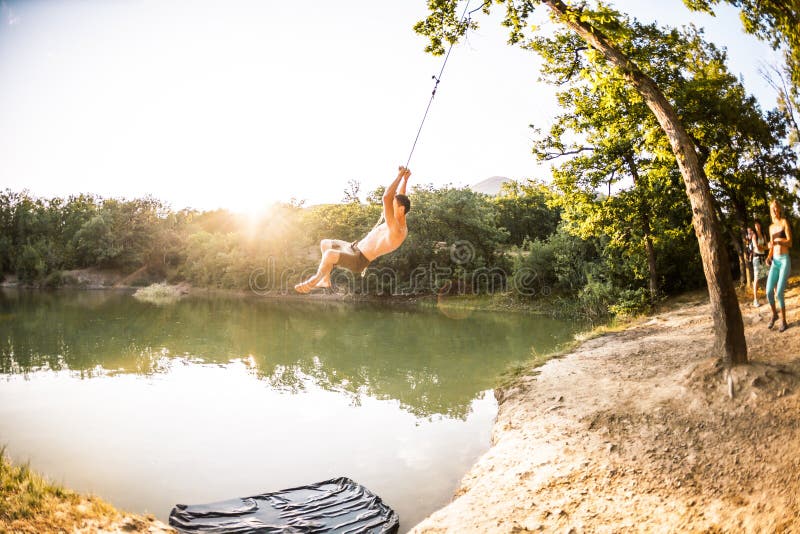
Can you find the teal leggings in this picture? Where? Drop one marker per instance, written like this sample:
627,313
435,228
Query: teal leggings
776,280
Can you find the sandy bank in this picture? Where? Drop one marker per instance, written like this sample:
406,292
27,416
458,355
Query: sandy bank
636,431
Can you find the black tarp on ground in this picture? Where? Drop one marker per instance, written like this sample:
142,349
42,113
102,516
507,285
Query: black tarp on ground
338,505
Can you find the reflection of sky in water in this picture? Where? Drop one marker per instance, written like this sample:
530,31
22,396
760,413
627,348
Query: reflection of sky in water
431,363
213,398
200,433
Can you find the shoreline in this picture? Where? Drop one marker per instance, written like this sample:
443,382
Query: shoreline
627,421
79,515
636,431
99,280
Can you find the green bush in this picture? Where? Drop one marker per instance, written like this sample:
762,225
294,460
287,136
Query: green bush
53,280
563,263
30,265
595,298
631,302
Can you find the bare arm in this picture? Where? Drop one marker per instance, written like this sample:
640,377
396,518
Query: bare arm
760,236
388,200
402,189
787,242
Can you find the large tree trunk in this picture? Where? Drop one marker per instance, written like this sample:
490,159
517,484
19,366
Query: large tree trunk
728,327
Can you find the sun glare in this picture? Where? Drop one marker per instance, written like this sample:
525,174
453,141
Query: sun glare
253,220
267,220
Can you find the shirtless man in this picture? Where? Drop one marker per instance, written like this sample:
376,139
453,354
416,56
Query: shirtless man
381,240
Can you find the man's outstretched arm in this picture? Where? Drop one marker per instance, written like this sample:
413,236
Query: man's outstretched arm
402,189
388,198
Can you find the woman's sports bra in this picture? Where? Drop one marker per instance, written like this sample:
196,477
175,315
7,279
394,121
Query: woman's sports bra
779,235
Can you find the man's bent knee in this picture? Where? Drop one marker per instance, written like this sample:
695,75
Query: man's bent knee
330,257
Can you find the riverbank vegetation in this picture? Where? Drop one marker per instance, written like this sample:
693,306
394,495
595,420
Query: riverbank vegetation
32,504
160,293
609,233
561,245
528,246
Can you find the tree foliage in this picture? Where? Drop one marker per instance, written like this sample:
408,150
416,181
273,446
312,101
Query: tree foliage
776,22
528,211
616,172
611,38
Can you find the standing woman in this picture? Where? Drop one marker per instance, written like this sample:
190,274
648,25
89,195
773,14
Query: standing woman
758,244
780,241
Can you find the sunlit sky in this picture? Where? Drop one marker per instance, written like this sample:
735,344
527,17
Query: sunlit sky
242,103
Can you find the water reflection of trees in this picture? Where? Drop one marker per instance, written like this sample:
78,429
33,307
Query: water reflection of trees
431,364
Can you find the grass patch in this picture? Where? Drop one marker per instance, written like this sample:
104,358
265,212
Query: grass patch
614,325
26,494
505,301
160,293
31,503
491,302
517,370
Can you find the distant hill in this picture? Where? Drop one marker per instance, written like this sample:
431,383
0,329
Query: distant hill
490,186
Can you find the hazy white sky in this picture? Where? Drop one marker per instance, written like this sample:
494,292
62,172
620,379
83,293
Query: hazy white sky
242,103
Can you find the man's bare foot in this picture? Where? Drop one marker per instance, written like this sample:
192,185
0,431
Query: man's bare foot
325,282
305,287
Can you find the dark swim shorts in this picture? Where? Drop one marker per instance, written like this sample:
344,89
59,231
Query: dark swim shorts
349,256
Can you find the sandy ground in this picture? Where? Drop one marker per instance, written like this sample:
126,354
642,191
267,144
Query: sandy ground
87,516
637,431
129,523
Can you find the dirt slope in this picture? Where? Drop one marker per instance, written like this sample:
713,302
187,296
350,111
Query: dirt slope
636,431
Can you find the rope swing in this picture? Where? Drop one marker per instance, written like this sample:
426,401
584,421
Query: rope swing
465,17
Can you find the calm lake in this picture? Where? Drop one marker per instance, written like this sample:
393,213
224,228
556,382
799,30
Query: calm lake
211,398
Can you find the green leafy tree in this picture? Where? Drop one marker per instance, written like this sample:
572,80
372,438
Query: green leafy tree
95,242
31,264
348,221
452,236
6,231
75,212
602,136
788,96
620,141
526,210
741,148
604,32
775,21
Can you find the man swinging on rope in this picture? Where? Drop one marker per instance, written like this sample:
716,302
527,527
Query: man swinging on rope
382,239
